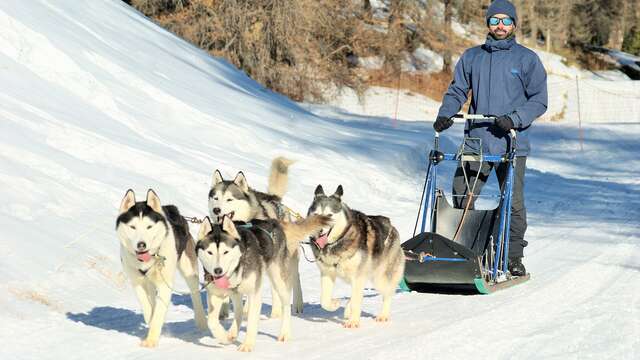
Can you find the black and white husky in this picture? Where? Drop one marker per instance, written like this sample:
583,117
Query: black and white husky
356,248
154,241
237,255
235,199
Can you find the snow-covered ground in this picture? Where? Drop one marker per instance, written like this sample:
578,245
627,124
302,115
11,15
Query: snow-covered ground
96,99
381,102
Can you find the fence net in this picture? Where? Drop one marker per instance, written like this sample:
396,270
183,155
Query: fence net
593,101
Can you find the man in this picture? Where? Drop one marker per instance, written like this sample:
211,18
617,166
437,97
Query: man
506,80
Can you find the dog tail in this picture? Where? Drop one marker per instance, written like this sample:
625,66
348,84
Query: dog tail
296,232
279,176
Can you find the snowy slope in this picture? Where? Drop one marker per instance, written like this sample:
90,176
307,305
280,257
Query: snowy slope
96,99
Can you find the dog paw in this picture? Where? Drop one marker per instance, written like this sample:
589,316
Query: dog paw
245,347
148,343
351,324
232,336
298,308
382,318
284,337
220,335
332,306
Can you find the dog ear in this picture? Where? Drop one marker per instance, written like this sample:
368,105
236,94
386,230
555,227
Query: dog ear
229,227
338,192
128,201
319,191
241,181
205,228
217,178
153,201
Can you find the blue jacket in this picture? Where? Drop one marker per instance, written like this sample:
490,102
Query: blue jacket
504,78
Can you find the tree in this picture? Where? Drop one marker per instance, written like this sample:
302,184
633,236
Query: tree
592,21
446,57
630,25
631,43
469,10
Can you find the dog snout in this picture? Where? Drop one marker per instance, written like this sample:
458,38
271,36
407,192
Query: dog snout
216,211
217,271
141,246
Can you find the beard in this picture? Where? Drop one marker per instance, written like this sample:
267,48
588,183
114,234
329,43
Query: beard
499,34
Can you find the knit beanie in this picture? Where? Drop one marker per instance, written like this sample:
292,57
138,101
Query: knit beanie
502,7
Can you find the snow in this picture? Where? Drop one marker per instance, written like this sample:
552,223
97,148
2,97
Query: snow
381,102
556,65
626,59
371,62
427,60
97,99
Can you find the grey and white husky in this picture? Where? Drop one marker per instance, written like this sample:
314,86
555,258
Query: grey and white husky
235,199
154,241
356,248
238,255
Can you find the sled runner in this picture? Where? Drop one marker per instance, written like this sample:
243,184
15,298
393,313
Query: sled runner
461,249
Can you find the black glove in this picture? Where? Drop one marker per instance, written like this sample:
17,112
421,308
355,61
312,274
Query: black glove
505,123
442,123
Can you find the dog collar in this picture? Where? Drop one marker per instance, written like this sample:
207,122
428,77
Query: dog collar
338,240
250,226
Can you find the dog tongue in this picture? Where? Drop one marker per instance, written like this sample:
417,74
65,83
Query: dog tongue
221,282
145,256
322,241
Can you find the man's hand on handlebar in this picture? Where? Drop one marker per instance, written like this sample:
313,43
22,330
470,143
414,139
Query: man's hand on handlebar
505,123
442,123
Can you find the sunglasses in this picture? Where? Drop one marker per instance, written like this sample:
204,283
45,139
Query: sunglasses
494,21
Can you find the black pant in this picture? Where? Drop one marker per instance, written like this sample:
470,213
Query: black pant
518,210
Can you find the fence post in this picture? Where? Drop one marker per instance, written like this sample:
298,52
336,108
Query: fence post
395,115
580,134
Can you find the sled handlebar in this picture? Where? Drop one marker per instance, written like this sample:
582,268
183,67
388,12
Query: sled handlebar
512,132
474,117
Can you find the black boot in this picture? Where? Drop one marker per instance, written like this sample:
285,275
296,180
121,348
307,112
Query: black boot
516,267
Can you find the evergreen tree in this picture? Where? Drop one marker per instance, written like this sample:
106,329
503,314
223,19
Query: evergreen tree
631,42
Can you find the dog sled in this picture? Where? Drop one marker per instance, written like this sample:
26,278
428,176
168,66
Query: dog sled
461,249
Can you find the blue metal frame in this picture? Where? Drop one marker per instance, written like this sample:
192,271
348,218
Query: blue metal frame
429,201
505,222
428,258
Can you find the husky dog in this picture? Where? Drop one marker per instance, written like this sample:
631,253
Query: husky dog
242,203
238,201
356,248
154,241
238,255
